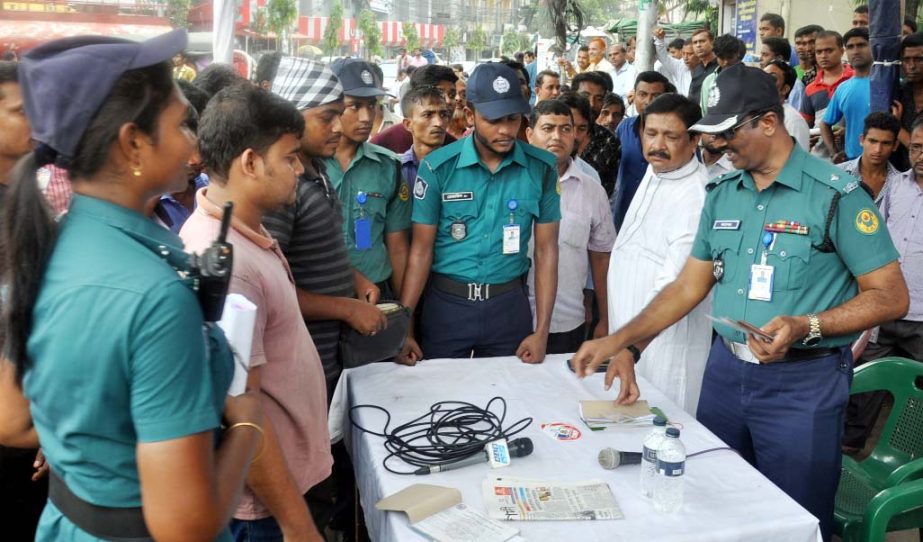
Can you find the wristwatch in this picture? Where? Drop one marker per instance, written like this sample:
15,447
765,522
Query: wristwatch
814,337
635,353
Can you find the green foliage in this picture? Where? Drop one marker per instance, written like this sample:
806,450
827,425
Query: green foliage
452,38
411,35
178,12
259,24
332,32
702,9
281,15
477,40
514,42
371,33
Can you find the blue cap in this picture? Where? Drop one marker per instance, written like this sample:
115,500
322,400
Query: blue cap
494,90
672,432
660,421
358,78
65,82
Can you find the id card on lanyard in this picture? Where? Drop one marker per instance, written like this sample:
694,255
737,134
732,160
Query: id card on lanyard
761,275
363,226
511,231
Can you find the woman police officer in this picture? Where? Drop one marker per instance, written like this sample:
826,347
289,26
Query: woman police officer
125,384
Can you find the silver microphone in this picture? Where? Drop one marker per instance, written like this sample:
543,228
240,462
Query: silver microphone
610,458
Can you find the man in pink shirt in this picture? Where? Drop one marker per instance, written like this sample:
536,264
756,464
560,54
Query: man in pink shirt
249,140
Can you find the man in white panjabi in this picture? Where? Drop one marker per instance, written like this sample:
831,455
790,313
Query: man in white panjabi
653,245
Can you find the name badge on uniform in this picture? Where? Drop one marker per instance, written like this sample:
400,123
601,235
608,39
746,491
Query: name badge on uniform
726,225
458,196
761,282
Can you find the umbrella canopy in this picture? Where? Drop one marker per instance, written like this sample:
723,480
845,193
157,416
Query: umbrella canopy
309,51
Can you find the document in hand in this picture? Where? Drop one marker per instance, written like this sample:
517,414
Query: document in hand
598,414
513,499
237,321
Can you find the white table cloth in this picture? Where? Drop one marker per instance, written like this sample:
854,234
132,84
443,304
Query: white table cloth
725,498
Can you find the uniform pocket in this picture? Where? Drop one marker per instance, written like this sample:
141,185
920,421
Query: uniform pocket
792,254
725,246
527,208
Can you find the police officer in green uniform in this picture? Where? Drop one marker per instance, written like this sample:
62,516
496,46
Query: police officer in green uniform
477,203
792,245
368,180
126,385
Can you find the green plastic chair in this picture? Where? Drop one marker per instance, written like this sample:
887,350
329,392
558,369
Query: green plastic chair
885,491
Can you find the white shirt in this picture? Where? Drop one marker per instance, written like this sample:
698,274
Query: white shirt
673,69
722,166
623,79
797,127
586,225
651,249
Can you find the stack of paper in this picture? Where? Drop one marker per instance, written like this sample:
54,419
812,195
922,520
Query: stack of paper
438,513
601,414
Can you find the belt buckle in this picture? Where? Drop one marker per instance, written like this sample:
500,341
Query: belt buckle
478,292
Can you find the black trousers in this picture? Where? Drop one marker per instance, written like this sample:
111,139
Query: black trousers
21,499
566,342
902,338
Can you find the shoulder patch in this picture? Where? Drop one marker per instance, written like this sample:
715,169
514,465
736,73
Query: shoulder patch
867,221
419,188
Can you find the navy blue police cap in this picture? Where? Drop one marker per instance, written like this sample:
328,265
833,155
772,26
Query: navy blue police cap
358,78
494,90
738,90
66,81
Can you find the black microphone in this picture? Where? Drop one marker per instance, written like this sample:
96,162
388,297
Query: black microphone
610,458
498,453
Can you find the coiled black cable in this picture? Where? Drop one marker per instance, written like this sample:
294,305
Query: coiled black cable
449,432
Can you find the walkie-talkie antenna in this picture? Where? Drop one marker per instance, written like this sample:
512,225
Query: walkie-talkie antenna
225,222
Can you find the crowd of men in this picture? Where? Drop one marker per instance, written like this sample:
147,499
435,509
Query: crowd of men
591,208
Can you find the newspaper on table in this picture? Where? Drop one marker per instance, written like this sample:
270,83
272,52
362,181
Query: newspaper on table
518,499
460,523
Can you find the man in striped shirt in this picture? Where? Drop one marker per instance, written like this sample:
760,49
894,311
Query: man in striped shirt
310,232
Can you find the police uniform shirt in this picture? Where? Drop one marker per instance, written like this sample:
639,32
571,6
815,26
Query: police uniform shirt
118,357
374,171
806,279
469,205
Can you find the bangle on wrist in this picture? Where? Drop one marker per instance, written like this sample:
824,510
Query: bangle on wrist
259,430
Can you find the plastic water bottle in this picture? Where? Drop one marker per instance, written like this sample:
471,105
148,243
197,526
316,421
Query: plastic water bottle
652,443
671,465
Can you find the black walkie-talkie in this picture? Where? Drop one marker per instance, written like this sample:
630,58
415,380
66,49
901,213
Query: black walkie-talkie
211,270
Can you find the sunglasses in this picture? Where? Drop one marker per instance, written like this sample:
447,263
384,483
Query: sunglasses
731,132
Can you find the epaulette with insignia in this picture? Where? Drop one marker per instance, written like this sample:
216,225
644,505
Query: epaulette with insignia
830,175
712,184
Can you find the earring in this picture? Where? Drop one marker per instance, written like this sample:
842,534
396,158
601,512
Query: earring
136,171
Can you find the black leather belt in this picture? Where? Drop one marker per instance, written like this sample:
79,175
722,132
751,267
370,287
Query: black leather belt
742,352
473,291
115,524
